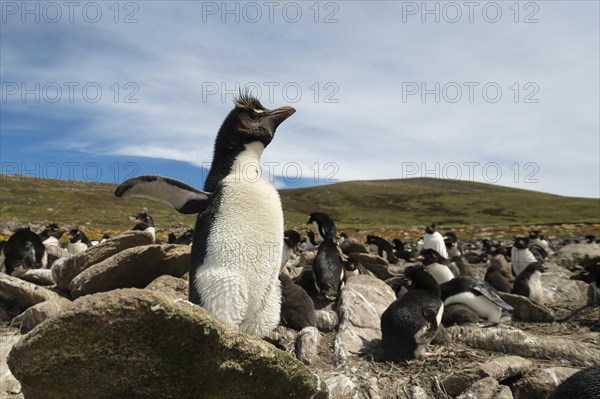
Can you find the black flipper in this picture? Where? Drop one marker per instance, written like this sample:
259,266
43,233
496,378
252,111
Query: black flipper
184,198
489,292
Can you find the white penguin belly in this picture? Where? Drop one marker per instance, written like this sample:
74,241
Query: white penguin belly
238,281
520,259
536,292
441,273
480,304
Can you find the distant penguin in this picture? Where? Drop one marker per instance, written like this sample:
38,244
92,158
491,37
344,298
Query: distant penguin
50,237
22,251
459,314
78,242
343,237
291,239
411,322
384,248
476,294
402,250
351,268
494,276
323,225
105,236
590,239
452,245
590,273
528,283
536,238
328,270
521,256
584,384
437,266
144,222
310,242
297,309
434,240
238,237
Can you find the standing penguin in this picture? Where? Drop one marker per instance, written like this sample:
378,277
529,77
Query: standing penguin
521,256
297,309
323,225
78,242
528,283
144,222
238,237
384,248
536,238
310,243
328,268
590,273
476,294
22,251
441,269
411,322
291,239
434,240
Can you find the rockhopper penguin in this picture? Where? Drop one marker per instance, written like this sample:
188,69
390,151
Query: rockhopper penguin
238,236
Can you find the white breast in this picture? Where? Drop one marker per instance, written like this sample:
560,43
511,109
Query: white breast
520,259
536,293
480,304
435,241
238,282
76,248
441,273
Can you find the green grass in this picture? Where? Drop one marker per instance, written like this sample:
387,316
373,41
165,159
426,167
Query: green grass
365,205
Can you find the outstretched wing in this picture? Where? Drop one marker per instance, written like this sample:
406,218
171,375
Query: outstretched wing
184,198
488,291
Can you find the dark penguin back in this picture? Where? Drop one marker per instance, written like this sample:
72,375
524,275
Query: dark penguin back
23,249
494,277
585,384
328,269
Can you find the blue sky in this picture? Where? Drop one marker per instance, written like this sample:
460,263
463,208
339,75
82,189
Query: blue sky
491,92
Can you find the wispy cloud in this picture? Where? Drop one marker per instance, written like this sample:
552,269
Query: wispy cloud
355,118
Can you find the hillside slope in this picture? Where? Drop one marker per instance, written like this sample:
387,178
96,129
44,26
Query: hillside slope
389,204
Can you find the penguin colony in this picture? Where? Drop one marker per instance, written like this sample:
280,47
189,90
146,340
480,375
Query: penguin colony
255,294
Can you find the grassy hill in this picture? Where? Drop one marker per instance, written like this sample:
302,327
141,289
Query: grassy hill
382,204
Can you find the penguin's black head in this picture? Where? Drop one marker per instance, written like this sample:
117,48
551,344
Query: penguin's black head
75,235
416,277
521,242
534,234
325,225
291,238
430,229
142,220
106,236
450,239
430,256
590,238
536,267
248,122
371,239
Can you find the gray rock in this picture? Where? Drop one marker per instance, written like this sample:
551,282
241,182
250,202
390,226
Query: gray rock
307,345
132,268
541,383
560,290
416,392
23,294
307,258
340,386
570,255
487,388
40,312
9,385
64,272
4,313
361,303
499,369
176,287
353,245
37,276
148,345
526,310
326,320
375,264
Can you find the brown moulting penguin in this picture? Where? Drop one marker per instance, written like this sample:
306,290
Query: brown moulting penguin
411,322
22,251
238,236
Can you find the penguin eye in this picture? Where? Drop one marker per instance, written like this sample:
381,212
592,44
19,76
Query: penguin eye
586,273
258,111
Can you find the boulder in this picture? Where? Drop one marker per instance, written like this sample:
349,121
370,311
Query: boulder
64,272
22,294
340,386
560,290
326,320
374,263
173,286
148,345
9,385
40,312
132,268
487,388
541,383
570,255
353,245
37,276
526,310
361,303
499,369
307,345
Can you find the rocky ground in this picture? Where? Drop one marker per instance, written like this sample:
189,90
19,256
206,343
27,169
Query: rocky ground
118,311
